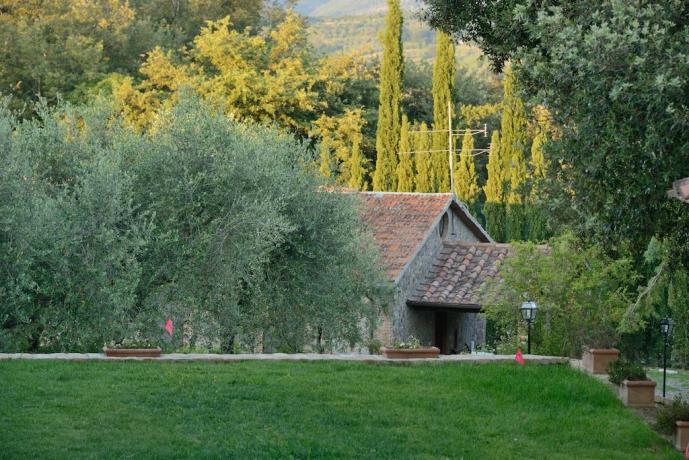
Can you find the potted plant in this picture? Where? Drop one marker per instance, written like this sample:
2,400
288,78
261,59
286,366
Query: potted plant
597,360
409,349
636,389
132,349
673,419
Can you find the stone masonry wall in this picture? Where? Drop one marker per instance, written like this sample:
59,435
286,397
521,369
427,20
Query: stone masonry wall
405,321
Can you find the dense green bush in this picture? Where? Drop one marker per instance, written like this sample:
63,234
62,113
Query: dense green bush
677,410
621,370
220,226
582,296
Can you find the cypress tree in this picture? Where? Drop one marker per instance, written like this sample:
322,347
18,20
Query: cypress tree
537,222
389,118
494,208
443,82
424,161
466,181
357,172
405,167
513,147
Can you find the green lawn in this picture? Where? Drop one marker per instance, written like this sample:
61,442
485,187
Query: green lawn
63,409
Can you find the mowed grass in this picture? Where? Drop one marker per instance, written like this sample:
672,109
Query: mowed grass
58,409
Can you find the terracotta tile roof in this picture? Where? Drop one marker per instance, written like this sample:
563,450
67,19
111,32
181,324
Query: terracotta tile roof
458,272
400,223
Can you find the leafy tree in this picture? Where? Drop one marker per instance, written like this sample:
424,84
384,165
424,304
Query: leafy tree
582,296
424,161
466,185
340,147
273,77
405,167
63,47
222,226
389,108
608,71
443,81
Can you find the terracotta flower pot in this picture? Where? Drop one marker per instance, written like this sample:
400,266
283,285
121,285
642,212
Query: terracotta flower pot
398,353
132,352
638,393
681,436
596,360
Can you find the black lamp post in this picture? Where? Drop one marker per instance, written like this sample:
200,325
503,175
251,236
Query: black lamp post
528,310
666,330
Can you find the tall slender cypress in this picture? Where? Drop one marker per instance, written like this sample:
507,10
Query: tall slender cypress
424,161
466,181
443,82
405,167
357,171
389,109
513,147
494,207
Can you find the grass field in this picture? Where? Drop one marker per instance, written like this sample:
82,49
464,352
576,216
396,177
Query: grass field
313,410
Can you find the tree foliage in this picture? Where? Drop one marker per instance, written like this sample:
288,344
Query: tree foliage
582,296
389,107
613,75
424,161
443,82
65,47
405,167
221,226
466,182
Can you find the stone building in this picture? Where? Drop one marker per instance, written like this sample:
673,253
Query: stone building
438,256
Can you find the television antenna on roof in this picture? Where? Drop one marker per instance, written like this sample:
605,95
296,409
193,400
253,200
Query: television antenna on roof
451,134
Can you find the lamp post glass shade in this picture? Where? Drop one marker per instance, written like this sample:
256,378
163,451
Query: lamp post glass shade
528,310
666,327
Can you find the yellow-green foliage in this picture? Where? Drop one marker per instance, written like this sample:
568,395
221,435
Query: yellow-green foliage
424,172
273,77
405,167
466,181
495,185
389,108
472,114
340,147
443,82
514,139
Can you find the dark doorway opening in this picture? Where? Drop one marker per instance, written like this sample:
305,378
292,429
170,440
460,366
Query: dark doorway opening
441,338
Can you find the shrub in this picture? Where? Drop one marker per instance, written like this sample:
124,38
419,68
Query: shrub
412,343
223,227
581,293
621,370
677,410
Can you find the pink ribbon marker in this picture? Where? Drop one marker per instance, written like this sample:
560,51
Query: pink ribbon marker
168,326
518,357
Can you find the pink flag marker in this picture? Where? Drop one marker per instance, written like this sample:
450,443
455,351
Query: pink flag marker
168,326
518,357
686,452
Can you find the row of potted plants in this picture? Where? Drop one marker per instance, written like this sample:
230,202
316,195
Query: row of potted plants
637,390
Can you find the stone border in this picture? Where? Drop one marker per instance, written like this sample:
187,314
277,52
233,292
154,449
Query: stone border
209,357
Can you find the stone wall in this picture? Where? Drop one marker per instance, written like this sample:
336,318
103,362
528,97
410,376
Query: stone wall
405,321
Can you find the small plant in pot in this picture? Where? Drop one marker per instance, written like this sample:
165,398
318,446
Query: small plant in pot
673,419
132,348
411,348
636,389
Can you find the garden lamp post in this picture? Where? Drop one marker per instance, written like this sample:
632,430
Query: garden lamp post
666,330
528,310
